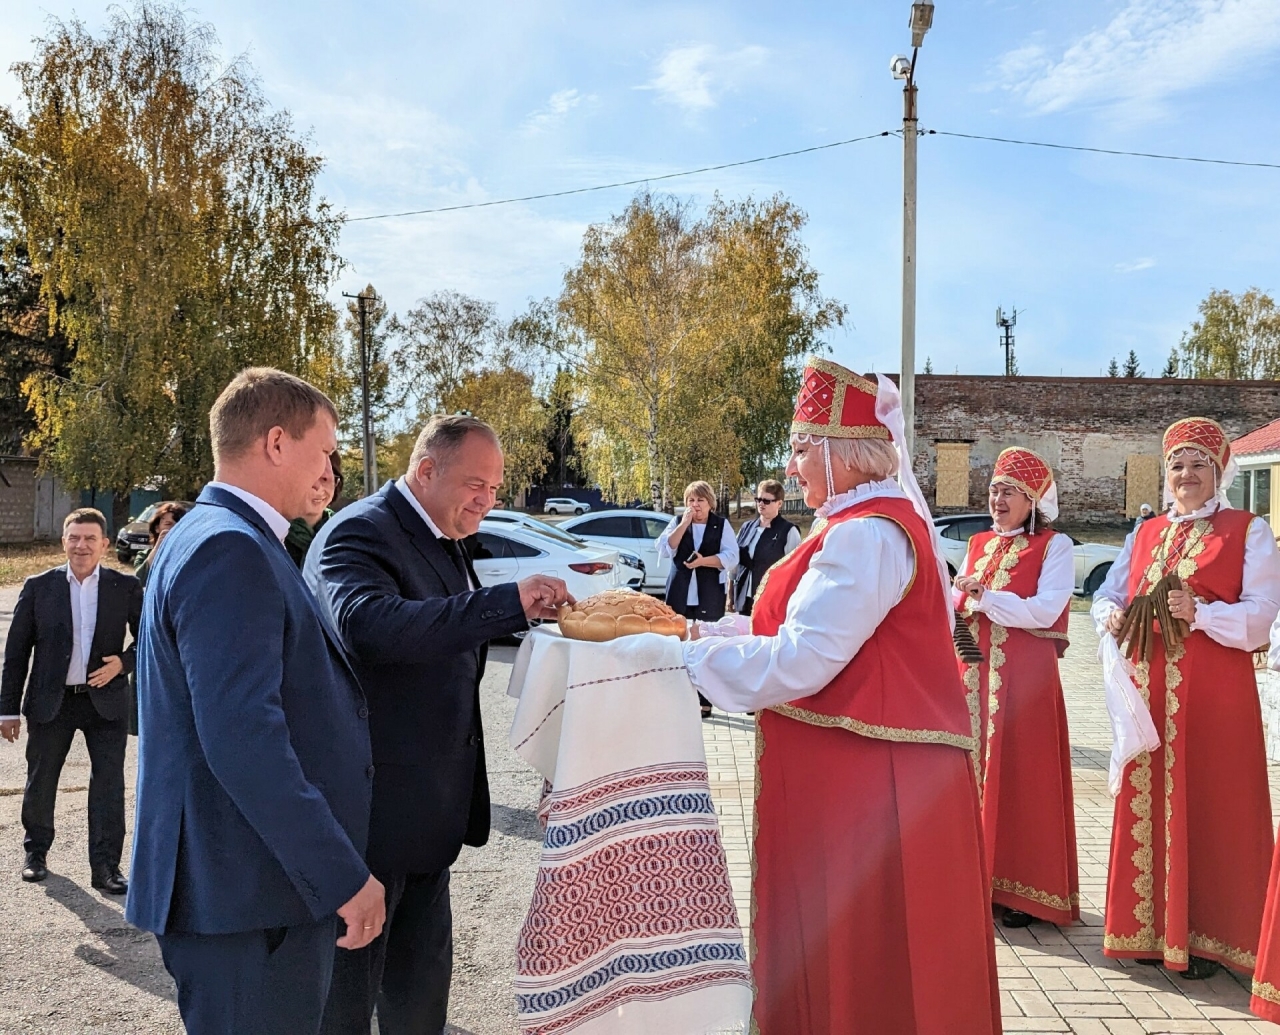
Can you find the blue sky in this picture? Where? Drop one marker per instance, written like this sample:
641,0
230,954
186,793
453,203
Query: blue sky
423,104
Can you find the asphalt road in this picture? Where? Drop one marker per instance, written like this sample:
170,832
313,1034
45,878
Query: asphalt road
71,965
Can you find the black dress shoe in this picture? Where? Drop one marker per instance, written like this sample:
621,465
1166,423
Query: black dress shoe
1017,918
35,870
110,880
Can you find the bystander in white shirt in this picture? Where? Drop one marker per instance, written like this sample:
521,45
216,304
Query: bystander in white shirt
84,622
728,553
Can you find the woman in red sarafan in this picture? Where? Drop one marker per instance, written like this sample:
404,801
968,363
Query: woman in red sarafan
870,896
1192,840
1015,594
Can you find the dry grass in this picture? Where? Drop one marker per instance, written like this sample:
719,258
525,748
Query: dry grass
19,562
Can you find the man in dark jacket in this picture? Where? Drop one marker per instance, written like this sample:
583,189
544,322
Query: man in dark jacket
394,582
73,618
254,769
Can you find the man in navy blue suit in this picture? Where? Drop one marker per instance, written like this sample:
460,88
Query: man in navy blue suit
393,578
254,767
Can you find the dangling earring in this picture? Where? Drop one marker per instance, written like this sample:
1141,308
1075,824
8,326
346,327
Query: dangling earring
826,460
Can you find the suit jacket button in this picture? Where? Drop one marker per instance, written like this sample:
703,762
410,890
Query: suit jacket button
369,772
363,712
473,740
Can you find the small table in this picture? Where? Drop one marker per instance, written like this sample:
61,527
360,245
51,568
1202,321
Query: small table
632,928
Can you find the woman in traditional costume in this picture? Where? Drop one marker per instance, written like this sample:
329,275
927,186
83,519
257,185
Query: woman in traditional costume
1191,596
1266,977
870,898
1015,594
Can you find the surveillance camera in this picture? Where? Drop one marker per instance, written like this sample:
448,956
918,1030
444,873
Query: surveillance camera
900,66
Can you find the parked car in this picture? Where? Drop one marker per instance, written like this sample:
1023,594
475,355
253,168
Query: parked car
634,530
561,505
135,537
1093,560
632,573
507,552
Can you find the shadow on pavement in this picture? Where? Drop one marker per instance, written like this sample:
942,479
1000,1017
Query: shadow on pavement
1090,758
132,956
516,822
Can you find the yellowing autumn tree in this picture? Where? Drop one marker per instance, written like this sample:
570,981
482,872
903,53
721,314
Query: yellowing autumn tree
172,218
685,334
1237,336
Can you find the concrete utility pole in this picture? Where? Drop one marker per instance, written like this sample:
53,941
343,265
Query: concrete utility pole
367,446
905,68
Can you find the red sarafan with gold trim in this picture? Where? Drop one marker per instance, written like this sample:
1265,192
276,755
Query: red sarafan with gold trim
1023,761
1199,433
836,403
1025,471
1192,840
871,911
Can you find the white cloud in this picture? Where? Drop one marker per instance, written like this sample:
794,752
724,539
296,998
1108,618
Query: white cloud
696,75
558,105
1134,266
1150,51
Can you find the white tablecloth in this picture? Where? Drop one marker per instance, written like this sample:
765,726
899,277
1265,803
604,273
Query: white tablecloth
632,928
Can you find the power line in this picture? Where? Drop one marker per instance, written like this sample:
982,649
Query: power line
1105,150
619,183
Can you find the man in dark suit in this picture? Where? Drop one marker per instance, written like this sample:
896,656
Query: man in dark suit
394,582
73,618
254,770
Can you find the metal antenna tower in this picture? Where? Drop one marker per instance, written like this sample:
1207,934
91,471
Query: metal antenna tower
1006,325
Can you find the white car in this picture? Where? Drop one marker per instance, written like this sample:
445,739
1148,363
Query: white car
563,505
506,552
1093,560
636,531
631,567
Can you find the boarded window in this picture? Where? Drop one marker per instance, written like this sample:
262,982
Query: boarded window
1141,483
953,474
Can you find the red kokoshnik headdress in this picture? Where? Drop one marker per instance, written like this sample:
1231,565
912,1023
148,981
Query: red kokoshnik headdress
1031,475
834,402
1201,434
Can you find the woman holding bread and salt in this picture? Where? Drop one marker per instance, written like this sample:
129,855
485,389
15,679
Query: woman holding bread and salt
1190,597
871,909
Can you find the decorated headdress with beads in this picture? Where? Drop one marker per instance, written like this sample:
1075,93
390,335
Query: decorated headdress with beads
1201,434
836,403
1206,437
1031,475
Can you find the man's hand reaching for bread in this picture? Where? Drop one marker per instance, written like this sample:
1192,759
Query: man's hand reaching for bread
540,595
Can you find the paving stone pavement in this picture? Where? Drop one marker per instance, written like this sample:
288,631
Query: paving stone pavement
1051,979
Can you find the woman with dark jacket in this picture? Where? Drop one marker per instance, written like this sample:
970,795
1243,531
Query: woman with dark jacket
762,542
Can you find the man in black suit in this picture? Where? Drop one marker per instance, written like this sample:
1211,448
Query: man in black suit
394,582
73,618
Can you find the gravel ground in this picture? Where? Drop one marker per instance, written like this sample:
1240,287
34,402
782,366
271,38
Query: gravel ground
70,965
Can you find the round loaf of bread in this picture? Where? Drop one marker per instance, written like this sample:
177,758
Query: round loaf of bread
618,612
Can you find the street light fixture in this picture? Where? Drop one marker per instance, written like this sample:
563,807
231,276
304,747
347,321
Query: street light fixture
904,68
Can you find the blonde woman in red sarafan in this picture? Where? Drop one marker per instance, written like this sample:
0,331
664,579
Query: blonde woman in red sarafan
871,911
1015,594
1190,597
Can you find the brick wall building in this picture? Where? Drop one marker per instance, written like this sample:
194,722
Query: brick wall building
1101,435
31,506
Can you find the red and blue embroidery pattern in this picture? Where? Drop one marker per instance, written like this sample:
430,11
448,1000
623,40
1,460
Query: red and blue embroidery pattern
632,901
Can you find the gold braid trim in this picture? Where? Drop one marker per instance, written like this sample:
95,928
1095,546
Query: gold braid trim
1143,858
835,430
1144,942
973,686
995,682
1240,957
1014,887
1266,990
1047,634
866,729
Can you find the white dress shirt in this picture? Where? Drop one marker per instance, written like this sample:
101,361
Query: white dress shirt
1245,625
1045,606
862,570
84,622
728,553
277,522
403,486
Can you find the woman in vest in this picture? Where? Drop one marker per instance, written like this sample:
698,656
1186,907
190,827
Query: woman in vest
703,554
1191,842
871,906
1015,595
762,542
